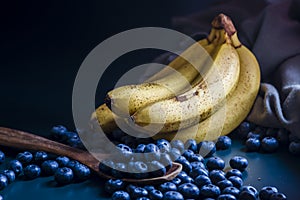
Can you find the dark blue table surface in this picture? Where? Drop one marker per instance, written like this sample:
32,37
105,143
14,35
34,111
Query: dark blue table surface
279,169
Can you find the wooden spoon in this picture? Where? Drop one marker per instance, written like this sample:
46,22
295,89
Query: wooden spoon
26,141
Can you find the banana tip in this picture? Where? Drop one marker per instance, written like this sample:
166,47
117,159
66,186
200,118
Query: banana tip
222,21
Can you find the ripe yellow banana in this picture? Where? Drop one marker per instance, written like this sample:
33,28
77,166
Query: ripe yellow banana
107,119
126,100
237,106
205,43
198,103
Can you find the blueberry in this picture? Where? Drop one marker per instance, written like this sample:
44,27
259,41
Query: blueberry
140,148
167,186
149,187
223,143
69,135
189,190
188,154
216,176
24,157
173,195
120,170
234,172
112,185
206,148
130,188
186,165
81,172
75,142
124,147
106,166
231,190
269,144
2,157
177,181
157,169
156,194
243,129
236,181
40,156
238,162
124,153
139,192
163,145
11,176
3,181
151,152
294,148
266,192
210,190
187,179
198,164
143,198
224,184
138,169
178,144
174,153
196,158
49,167
226,197
163,148
32,171
63,175
202,180
72,164
58,131
120,195
278,196
182,175
248,193
252,144
139,152
16,166
191,144
62,161
253,135
215,163
197,172
166,160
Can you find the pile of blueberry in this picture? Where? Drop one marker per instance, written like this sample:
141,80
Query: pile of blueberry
63,135
203,175
30,165
261,139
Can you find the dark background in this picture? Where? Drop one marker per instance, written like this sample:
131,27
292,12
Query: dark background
43,44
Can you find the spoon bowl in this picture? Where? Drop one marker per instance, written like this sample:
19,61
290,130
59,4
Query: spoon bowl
26,141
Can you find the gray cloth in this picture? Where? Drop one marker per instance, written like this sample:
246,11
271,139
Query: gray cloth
271,29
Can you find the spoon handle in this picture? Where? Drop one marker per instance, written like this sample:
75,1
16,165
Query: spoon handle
26,141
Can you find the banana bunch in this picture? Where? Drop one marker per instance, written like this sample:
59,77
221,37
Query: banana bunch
196,104
203,107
